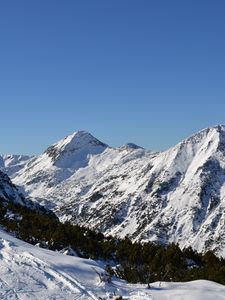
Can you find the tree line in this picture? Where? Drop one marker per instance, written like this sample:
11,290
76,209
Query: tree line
133,261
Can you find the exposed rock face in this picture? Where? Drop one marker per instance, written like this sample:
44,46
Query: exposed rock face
11,194
8,191
173,196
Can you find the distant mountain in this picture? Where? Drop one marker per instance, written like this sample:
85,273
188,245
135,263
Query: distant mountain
11,164
74,151
173,196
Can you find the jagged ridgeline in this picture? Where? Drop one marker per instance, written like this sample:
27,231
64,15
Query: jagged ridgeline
134,261
171,196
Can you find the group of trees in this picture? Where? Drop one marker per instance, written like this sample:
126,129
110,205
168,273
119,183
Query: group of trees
132,261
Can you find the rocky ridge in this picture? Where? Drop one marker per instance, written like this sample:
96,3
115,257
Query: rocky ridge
173,196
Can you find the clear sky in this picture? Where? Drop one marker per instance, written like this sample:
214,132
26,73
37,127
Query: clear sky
150,72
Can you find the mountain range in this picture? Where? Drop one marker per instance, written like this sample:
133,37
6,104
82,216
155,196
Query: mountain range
177,195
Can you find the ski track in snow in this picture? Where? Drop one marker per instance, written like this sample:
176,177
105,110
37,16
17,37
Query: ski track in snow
16,262
31,273
69,281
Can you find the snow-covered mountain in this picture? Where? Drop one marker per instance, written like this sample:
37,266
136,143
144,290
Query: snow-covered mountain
13,163
74,151
29,272
11,195
173,196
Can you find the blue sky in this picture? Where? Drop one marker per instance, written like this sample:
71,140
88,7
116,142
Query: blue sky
148,72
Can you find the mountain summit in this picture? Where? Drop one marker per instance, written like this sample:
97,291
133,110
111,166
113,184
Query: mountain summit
173,196
73,150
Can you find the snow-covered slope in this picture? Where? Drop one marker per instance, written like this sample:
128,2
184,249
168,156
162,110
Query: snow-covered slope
173,196
74,151
29,272
11,195
11,164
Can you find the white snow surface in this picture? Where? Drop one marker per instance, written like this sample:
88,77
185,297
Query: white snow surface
173,196
11,164
29,272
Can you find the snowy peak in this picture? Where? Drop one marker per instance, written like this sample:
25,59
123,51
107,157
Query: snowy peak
196,150
212,135
76,141
158,196
131,146
73,150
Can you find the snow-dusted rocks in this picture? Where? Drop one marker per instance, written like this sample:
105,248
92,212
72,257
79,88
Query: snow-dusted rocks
8,191
12,194
173,196
11,164
75,150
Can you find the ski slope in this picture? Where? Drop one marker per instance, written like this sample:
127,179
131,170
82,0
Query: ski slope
29,272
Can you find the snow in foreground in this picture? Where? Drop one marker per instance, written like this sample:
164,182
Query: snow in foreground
29,272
